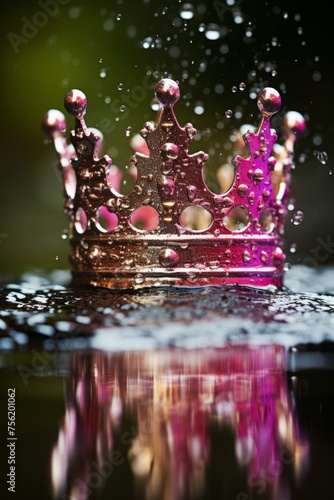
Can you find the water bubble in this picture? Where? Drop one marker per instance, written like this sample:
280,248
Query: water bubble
228,113
187,11
128,131
242,86
64,234
297,218
119,17
103,73
56,257
201,28
100,60
234,89
122,108
120,86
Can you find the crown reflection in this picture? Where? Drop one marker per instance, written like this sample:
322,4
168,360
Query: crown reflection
170,415
190,236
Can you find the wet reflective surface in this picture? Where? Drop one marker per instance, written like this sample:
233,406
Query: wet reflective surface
170,394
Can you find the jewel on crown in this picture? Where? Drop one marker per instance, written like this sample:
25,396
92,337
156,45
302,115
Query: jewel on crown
190,235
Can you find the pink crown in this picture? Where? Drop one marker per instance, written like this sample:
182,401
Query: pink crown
189,235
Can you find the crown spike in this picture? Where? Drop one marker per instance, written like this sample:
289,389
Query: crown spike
171,229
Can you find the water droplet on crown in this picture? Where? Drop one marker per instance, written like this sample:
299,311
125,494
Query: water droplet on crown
168,257
139,279
246,256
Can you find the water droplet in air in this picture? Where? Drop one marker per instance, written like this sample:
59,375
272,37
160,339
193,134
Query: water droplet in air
199,108
212,31
187,11
291,204
321,156
155,105
297,218
228,113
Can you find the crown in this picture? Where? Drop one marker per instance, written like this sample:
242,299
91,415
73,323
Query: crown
189,235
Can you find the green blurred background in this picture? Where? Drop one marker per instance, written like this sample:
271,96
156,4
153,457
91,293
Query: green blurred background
51,47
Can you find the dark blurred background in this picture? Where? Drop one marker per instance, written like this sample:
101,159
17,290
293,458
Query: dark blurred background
50,47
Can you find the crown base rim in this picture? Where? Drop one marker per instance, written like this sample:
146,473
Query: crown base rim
192,278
